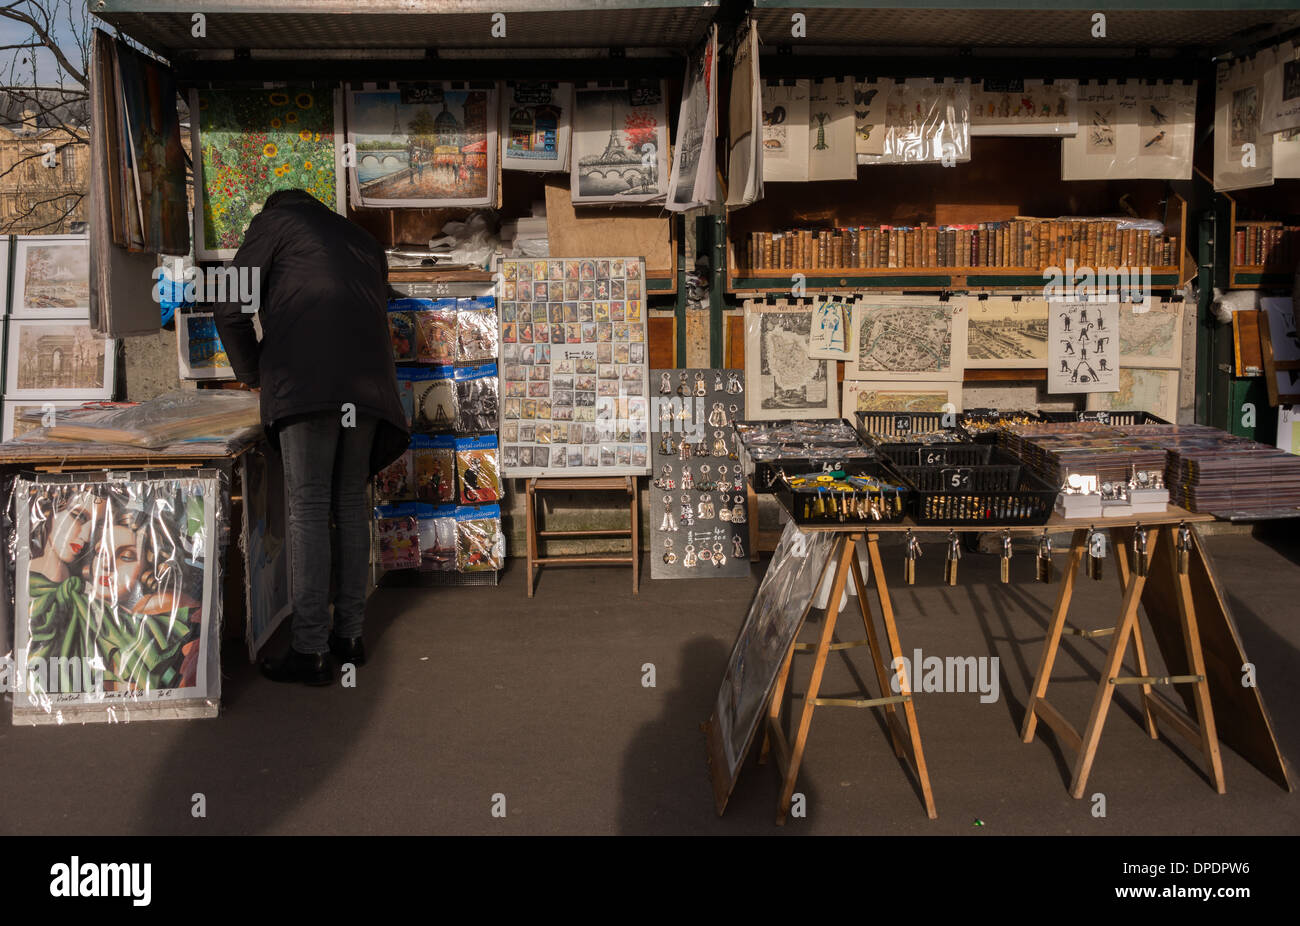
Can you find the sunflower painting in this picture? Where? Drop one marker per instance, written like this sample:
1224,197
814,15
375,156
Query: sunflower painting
254,142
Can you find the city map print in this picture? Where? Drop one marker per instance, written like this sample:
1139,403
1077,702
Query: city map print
1006,333
907,338
1152,338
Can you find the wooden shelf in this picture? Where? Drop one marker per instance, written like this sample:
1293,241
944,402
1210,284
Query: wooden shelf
1277,203
919,278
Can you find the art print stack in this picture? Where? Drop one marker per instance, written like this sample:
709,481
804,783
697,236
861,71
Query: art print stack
573,360
440,501
53,358
699,518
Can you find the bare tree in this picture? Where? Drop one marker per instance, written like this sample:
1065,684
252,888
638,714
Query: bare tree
59,102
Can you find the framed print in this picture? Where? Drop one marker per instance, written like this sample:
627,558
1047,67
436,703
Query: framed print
423,146
58,359
782,381
908,337
51,276
863,395
1006,333
249,143
199,350
15,422
1154,391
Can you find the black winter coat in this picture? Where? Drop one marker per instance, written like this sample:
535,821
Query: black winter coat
324,313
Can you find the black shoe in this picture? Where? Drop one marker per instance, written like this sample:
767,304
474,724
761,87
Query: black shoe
348,649
293,666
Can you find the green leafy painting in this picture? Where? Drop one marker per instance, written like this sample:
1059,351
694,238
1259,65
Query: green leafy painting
254,142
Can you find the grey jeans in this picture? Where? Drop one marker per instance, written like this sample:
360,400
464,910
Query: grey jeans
327,469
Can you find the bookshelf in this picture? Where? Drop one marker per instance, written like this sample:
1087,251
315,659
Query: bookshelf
1007,180
1264,246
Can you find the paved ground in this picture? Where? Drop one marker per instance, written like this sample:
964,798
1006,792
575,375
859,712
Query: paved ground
476,692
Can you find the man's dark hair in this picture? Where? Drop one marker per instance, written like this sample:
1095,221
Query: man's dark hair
283,196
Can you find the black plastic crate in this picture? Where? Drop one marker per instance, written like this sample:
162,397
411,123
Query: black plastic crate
983,424
950,454
1105,417
883,425
765,463
839,507
998,493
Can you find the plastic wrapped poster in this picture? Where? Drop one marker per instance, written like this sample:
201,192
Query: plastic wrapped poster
870,105
435,327
745,167
480,544
477,403
476,329
478,469
785,131
297,131
908,337
773,622
832,152
1243,153
926,122
1016,106
118,596
620,144
437,537
694,178
782,381
573,376
1082,347
396,481
433,397
535,126
435,467
423,146
1280,102
398,530
401,330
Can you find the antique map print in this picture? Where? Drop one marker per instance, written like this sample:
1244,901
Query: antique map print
783,381
1153,338
1003,332
862,395
1154,391
908,337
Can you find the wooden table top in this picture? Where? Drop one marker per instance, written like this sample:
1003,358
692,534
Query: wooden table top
1055,523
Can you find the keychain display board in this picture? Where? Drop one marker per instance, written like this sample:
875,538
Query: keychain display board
573,367
698,504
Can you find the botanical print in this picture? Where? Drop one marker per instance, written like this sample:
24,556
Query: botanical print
1101,128
620,145
115,595
252,143
535,126
52,277
434,148
58,359
156,179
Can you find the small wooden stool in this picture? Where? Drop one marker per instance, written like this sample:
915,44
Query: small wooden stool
626,484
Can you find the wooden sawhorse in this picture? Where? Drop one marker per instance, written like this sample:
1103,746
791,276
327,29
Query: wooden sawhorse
904,733
536,537
1201,731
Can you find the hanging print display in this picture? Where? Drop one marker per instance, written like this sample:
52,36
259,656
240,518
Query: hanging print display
535,126
694,180
423,146
620,144
831,126
1243,153
782,380
1083,347
785,130
829,335
250,143
117,597
870,102
573,367
1024,107
745,167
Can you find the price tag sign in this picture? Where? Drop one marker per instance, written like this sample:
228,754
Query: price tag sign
902,424
957,479
930,456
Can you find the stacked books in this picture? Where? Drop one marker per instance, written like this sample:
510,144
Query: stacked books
1023,243
1265,244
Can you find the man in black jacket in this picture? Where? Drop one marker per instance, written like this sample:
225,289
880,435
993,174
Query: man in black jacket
328,385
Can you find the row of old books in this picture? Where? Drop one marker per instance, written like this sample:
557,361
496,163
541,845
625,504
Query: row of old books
1032,244
1265,244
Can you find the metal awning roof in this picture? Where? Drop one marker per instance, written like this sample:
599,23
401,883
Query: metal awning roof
366,26
1207,27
